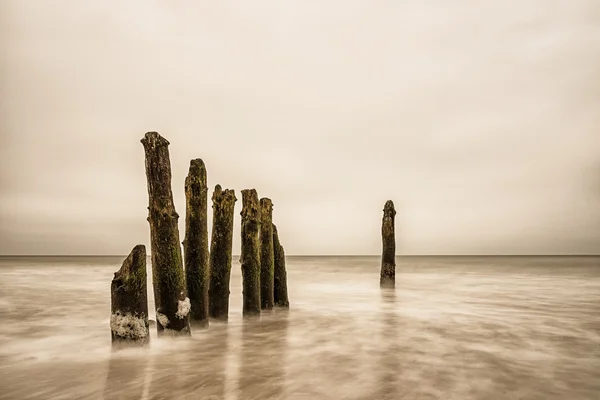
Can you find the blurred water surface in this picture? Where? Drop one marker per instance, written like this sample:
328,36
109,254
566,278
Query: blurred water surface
453,328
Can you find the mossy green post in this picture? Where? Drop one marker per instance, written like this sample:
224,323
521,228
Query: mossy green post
250,255
129,300
195,244
388,258
267,261
280,293
172,305
220,252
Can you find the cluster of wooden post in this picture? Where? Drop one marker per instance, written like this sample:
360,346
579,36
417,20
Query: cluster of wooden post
201,290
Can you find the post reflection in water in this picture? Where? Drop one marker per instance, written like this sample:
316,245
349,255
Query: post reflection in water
126,375
211,363
263,356
194,368
174,369
387,387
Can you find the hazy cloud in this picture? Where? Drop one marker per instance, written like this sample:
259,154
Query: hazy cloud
479,119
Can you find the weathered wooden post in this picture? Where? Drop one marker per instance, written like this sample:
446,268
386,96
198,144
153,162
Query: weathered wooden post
267,261
220,252
280,293
172,306
129,300
388,258
250,256
195,244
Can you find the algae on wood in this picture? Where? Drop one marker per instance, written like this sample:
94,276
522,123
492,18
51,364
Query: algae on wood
172,305
195,244
129,300
267,261
250,255
388,258
280,293
220,252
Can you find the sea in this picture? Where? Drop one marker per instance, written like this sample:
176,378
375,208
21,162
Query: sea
452,328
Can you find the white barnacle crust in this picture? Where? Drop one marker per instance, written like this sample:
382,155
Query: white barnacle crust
183,308
162,319
128,326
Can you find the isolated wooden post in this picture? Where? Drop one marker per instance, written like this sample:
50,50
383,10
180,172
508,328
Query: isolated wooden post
172,306
280,293
220,252
195,244
250,257
129,300
388,258
267,261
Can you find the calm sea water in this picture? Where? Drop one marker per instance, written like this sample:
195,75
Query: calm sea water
453,328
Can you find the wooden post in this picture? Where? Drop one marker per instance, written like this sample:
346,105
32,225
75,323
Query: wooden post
388,258
129,300
280,293
220,252
172,305
250,255
195,244
267,261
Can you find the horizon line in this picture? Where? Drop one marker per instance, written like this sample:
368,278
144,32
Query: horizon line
329,255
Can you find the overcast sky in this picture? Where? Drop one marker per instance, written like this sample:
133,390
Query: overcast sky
480,119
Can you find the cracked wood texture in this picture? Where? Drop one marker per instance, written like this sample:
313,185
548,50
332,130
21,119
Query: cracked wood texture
388,258
195,244
167,266
267,261
129,300
220,252
250,257
280,293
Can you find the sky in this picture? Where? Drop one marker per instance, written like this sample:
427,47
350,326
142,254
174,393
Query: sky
479,119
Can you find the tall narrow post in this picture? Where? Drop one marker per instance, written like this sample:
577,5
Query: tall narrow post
388,258
280,293
129,300
172,306
267,261
195,244
220,252
250,257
